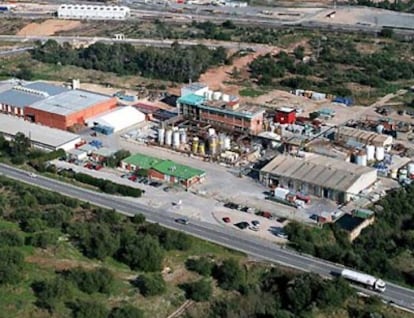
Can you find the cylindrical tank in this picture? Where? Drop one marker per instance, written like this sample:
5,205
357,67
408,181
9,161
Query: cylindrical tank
227,143
201,148
361,158
225,98
211,132
370,152
221,141
176,139
168,137
380,129
161,136
194,147
216,95
212,145
183,136
379,153
393,173
402,174
410,168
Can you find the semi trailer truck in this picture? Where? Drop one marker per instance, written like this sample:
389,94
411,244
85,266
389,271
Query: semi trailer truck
368,281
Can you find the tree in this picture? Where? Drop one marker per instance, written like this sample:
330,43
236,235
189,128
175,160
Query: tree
142,253
138,218
20,145
25,73
229,275
42,239
127,311
87,309
11,238
201,265
299,52
49,292
198,291
150,284
11,266
91,281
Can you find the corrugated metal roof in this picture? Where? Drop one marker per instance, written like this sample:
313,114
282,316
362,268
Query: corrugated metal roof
52,90
10,125
182,172
69,102
18,98
318,170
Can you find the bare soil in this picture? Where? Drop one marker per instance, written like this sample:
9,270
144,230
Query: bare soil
48,27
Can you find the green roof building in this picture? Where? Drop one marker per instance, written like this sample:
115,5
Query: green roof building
139,161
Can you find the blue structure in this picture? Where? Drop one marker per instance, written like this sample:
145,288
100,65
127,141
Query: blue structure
343,100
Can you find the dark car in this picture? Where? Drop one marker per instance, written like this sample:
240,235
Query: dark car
255,223
242,225
184,221
226,219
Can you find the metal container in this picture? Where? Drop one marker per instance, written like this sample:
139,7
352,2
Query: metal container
211,132
222,137
379,153
161,136
176,139
380,129
393,173
201,148
194,147
183,136
402,175
225,97
212,145
370,152
361,158
227,143
168,137
217,95
410,168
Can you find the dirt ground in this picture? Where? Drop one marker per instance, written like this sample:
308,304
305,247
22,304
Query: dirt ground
48,27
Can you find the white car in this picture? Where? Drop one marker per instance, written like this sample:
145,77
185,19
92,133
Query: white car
32,175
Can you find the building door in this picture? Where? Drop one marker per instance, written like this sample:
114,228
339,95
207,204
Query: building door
325,193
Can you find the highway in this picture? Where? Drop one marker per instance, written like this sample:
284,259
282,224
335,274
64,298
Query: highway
234,239
15,51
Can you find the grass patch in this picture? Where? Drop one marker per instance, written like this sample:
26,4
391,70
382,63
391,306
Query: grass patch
251,92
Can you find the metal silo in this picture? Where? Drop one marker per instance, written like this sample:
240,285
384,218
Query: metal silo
212,145
176,139
194,147
161,136
183,136
168,137
370,152
201,148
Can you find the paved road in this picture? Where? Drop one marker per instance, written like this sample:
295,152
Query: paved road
15,51
233,239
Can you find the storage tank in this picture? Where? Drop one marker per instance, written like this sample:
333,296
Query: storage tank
212,145
379,153
361,158
221,141
393,173
410,168
227,143
168,137
380,129
176,139
370,152
201,148
209,95
211,132
161,136
183,136
402,175
225,98
216,95
194,147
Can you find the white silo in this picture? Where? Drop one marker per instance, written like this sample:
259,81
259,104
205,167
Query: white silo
410,168
161,136
222,137
168,137
176,139
380,129
370,152
361,158
225,97
183,136
216,95
227,143
211,132
379,153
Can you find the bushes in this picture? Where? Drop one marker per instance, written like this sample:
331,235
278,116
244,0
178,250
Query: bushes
108,186
229,275
42,239
10,238
198,291
49,292
150,284
127,311
202,265
88,309
11,266
95,281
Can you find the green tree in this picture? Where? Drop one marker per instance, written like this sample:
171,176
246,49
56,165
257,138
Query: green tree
229,275
199,291
11,266
42,239
99,280
150,284
11,238
126,311
138,218
49,292
202,265
87,309
20,145
299,52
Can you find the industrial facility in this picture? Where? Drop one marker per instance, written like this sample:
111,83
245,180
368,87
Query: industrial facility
92,12
317,175
223,111
164,170
41,137
346,134
52,105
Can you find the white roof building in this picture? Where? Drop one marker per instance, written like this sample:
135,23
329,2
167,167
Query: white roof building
118,119
92,12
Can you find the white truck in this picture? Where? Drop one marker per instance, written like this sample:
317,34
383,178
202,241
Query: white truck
364,279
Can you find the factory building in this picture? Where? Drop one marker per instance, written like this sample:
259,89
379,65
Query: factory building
346,134
41,137
285,115
117,119
223,111
92,12
52,105
317,175
164,170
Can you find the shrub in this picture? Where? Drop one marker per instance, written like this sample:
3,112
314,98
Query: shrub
229,275
201,265
127,311
150,284
199,291
98,280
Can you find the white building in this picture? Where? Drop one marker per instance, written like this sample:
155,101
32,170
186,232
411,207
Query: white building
118,119
92,12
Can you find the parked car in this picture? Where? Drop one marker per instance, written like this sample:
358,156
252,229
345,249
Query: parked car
253,228
226,219
183,221
242,225
282,234
132,178
98,167
256,223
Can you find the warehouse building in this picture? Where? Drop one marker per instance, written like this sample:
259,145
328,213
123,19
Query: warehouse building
52,105
318,175
346,134
164,170
92,12
41,137
224,111
117,119
285,115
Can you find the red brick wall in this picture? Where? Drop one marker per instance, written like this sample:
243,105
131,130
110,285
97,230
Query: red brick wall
46,118
153,174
